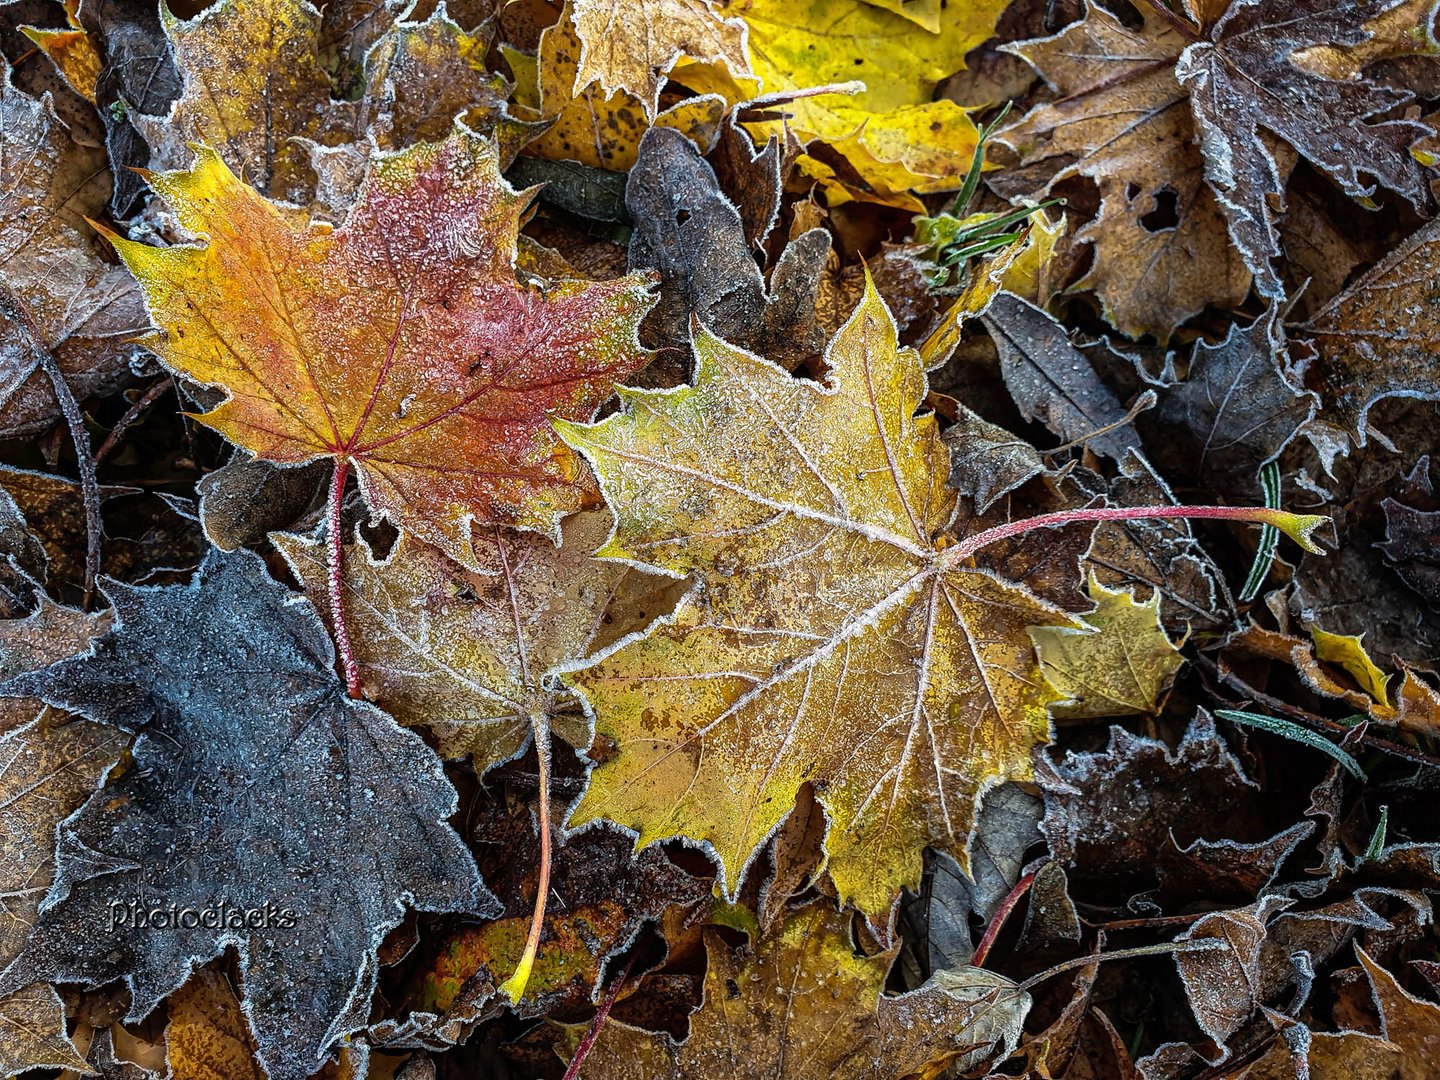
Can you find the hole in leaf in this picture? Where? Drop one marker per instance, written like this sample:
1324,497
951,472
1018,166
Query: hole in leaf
682,216
1165,215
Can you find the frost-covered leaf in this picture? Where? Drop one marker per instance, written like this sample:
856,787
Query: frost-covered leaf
1237,410
300,820
1118,668
1243,82
473,654
56,293
1376,339
47,769
1052,381
800,1004
829,638
1123,120
631,47
399,343
588,125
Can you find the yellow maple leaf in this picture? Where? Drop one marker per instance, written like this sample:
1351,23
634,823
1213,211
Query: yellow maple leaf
1118,668
800,1004
894,133
631,47
585,125
830,638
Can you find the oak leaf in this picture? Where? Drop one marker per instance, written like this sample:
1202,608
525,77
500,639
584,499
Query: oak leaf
631,47
800,1003
829,638
399,343
472,654
1119,668
308,816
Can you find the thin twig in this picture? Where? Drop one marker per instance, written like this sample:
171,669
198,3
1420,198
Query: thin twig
1241,687
583,1050
143,402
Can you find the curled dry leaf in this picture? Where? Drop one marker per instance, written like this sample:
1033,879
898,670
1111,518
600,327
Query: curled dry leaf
828,638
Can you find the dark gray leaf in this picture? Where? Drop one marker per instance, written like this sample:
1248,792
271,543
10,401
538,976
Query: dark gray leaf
693,235
1412,533
1051,380
257,787
139,72
1237,410
244,501
986,461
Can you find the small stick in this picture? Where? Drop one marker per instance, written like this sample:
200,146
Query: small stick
1169,947
143,402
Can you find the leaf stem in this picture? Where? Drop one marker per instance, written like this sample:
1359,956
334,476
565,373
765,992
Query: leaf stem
1299,527
337,556
1169,947
514,987
572,1072
1002,912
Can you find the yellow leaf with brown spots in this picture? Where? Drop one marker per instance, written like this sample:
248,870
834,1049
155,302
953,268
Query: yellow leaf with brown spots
829,639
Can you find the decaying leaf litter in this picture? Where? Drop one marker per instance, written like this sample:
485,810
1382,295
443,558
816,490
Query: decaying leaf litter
849,538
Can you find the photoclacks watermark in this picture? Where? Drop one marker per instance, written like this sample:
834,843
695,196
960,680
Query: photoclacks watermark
221,915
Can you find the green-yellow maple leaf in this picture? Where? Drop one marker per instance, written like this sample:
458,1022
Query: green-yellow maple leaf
1117,668
832,636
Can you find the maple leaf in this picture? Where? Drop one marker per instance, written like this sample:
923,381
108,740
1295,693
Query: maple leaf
1375,339
472,654
303,802
586,125
829,640
56,295
893,132
1242,82
399,343
1122,120
631,47
800,1003
1117,669
252,83
1166,120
